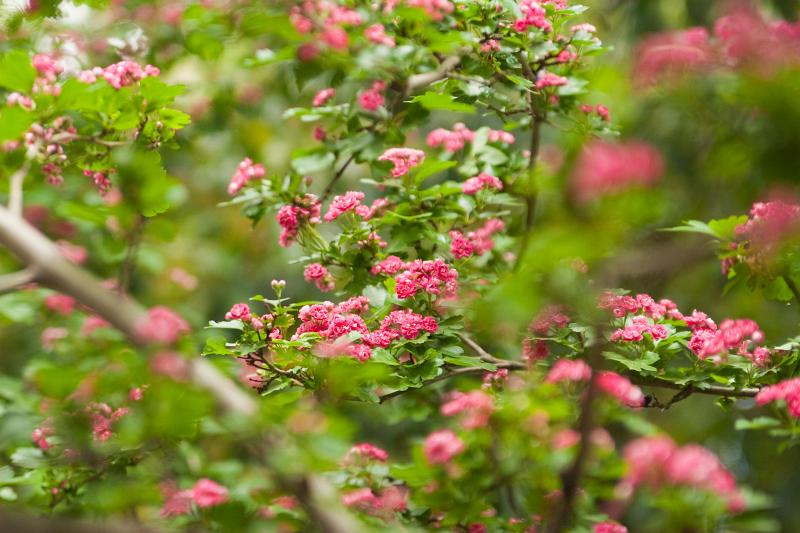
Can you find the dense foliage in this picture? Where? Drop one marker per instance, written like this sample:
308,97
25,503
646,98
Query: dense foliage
462,275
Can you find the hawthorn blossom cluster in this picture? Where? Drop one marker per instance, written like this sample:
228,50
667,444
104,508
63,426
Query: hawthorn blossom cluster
317,274
119,75
454,140
613,384
605,168
533,15
441,446
241,311
372,99
742,39
475,407
432,277
245,171
46,145
351,201
332,321
476,242
712,342
787,390
480,182
162,325
383,504
204,493
291,217
403,159
656,462
326,22
360,453
769,227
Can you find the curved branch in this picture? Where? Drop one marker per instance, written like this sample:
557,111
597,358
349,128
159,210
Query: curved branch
15,189
417,81
15,280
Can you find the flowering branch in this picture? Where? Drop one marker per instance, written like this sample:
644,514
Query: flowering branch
417,81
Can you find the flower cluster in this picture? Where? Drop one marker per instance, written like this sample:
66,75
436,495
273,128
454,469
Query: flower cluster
441,446
319,275
788,391
162,325
604,168
245,172
533,15
476,242
403,159
454,140
481,181
620,388
432,277
769,226
475,406
205,493
712,342
46,145
291,217
372,99
656,462
120,74
351,201
635,329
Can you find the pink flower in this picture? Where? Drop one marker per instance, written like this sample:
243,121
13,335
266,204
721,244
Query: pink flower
569,370
389,266
548,79
335,37
550,316
60,303
372,98
481,181
491,45
433,277
603,168
610,527
319,275
322,97
668,55
787,390
304,210
72,252
50,336
460,246
441,446
533,14
476,406
620,388
207,493
120,74
245,172
452,141
403,159
349,201
239,311
162,325
360,352
365,452
481,238
377,34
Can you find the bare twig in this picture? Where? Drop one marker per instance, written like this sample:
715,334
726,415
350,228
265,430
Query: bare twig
15,189
337,177
792,287
15,280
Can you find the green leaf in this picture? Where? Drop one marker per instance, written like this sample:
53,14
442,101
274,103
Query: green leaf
432,100
693,226
229,324
28,457
463,360
311,163
216,346
14,121
725,228
637,365
429,168
760,422
16,71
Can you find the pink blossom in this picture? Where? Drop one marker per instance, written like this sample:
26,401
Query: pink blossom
481,181
481,238
549,317
436,9
460,246
60,303
603,168
534,350
441,446
533,14
620,388
322,97
491,45
377,34
569,370
668,55
120,74
433,277
245,172
388,266
610,527
770,223
403,159
372,98
335,37
787,390
408,324
240,311
476,407
365,452
452,141
207,493
548,79
73,253
361,352
39,437
162,325
92,323
103,417
50,336
349,201
291,217
319,275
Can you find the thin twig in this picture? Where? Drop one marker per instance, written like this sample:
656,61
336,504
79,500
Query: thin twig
417,81
128,266
792,287
337,177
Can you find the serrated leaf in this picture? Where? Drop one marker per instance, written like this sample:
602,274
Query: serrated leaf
16,71
432,100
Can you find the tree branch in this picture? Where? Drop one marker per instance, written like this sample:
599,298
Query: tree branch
15,189
15,280
417,81
41,255
337,177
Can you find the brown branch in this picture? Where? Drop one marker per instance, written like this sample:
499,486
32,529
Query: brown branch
713,390
19,522
792,287
15,280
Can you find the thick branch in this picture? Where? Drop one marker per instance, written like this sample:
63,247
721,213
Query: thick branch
418,81
23,523
41,255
